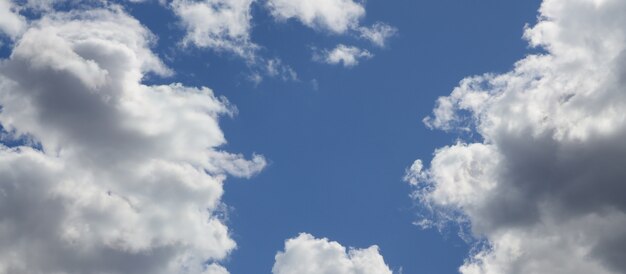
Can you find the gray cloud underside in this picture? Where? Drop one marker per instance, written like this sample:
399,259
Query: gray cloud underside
123,177
545,186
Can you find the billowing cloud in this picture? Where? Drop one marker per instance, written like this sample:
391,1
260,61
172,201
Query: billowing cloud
113,176
307,255
336,16
348,56
222,25
544,185
378,33
11,23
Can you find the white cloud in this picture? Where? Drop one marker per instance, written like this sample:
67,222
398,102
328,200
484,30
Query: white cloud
336,16
11,22
545,185
349,56
129,176
378,33
223,25
308,255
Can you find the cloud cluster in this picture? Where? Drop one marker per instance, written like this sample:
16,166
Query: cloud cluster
348,56
110,175
226,25
337,17
307,255
544,185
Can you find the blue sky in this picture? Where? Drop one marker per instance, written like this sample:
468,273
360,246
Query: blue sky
220,136
338,153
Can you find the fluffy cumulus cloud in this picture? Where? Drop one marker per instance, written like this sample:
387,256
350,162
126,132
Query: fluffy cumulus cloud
545,185
223,25
307,255
336,16
112,175
348,56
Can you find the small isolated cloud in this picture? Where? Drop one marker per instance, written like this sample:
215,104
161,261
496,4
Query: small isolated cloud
378,33
545,185
348,56
308,255
255,78
272,68
337,16
276,68
315,85
222,25
123,177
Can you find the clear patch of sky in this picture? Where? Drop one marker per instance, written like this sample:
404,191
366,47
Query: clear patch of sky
339,139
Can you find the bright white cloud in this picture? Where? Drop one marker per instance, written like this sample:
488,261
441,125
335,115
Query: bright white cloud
336,16
128,177
378,33
308,255
348,56
545,186
223,25
11,23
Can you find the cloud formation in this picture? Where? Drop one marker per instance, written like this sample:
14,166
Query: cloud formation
308,255
222,25
112,176
11,23
378,33
348,56
226,25
337,16
544,185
